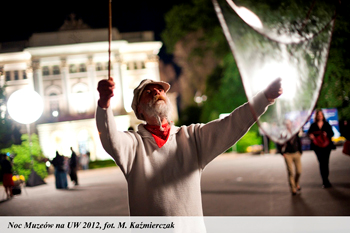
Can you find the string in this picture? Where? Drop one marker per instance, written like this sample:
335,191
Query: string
109,37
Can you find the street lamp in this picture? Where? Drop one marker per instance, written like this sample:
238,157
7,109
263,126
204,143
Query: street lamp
26,106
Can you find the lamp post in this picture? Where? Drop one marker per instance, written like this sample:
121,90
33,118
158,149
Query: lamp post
26,106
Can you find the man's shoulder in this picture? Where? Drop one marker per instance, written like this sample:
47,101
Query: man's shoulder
188,128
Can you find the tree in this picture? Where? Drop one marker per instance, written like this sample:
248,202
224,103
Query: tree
224,90
9,134
335,91
22,161
194,36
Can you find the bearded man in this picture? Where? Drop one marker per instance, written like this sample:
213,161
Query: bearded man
163,163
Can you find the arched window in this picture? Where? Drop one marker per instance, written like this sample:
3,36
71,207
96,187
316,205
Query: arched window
8,75
46,71
80,97
56,70
24,74
53,93
54,105
16,75
72,68
82,67
99,67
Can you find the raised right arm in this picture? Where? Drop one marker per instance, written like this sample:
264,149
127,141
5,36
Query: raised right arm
120,145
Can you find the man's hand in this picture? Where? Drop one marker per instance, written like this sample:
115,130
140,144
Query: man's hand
105,88
274,90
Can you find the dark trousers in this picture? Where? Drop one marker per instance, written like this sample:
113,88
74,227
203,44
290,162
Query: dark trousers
60,179
323,155
73,175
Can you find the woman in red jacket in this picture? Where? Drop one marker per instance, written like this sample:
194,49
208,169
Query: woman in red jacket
320,134
7,181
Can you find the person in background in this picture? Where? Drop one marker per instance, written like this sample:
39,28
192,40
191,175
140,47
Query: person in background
292,151
7,181
320,133
345,132
60,173
84,162
73,166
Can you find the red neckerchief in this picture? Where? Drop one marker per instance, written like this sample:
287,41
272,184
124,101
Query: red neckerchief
160,137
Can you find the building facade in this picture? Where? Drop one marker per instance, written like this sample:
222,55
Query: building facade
64,67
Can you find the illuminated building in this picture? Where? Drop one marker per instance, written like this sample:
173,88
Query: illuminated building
64,67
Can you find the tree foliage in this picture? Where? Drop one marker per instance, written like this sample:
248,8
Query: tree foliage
9,134
335,91
224,90
22,161
186,18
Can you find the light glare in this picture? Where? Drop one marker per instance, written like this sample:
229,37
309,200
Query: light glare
25,106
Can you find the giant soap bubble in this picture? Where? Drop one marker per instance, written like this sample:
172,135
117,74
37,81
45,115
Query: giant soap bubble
289,39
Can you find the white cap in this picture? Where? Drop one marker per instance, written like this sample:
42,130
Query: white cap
139,90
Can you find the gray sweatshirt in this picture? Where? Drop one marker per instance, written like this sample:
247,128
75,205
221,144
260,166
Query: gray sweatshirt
166,181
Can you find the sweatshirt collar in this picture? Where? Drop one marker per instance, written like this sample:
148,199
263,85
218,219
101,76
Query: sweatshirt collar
145,133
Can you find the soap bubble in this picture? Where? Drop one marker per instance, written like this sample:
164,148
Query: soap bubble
289,39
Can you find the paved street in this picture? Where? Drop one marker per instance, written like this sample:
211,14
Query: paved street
232,185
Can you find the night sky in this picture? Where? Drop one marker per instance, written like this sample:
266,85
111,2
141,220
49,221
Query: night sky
19,19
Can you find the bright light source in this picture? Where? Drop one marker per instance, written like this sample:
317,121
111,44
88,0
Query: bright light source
55,113
272,71
25,106
245,14
79,101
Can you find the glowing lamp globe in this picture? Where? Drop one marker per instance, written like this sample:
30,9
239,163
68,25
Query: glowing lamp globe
25,106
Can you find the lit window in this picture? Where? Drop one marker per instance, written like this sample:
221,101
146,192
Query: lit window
80,102
55,113
98,66
8,76
54,105
72,68
82,68
46,71
56,70
16,75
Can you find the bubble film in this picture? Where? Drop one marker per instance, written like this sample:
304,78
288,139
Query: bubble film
288,39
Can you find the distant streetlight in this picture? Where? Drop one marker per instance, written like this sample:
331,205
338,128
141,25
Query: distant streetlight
26,106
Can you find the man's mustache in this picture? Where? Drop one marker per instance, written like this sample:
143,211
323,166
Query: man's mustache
158,97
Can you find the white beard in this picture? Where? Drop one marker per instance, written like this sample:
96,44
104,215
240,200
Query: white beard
160,109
